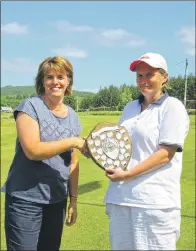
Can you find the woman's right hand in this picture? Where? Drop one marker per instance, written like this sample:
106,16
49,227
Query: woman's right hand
28,132
80,143
82,147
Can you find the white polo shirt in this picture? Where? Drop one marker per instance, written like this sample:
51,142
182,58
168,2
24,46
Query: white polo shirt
165,122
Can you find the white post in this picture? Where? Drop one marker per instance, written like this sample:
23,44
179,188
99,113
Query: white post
185,84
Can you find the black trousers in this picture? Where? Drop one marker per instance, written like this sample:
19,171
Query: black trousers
33,226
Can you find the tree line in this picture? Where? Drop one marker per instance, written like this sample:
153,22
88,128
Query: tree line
117,97
113,97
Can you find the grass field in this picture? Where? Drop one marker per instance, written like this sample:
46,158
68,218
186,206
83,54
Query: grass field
91,230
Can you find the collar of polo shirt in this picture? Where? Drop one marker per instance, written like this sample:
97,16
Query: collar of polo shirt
160,100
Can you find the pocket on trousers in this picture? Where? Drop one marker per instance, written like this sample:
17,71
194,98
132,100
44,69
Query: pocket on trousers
23,215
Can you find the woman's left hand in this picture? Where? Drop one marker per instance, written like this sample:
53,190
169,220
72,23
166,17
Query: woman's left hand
116,174
72,213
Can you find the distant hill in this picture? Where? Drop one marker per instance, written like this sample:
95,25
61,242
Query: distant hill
14,90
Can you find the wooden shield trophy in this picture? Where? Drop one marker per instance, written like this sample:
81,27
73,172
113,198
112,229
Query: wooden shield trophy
110,145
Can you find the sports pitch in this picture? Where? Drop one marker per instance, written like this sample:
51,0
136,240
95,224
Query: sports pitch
91,230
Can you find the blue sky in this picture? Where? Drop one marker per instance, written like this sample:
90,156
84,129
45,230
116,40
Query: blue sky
99,38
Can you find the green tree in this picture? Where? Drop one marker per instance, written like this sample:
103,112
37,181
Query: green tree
125,97
177,86
96,100
71,101
108,96
86,102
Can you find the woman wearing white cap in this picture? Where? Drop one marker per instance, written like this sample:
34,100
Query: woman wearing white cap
144,202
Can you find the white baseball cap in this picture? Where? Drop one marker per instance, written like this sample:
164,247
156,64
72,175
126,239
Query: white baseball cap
153,59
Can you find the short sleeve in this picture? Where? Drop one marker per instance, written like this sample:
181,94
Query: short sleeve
76,126
27,107
174,125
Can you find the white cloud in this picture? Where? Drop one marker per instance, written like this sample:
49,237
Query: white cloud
18,65
14,28
87,90
67,26
112,34
120,37
69,51
191,51
105,37
187,35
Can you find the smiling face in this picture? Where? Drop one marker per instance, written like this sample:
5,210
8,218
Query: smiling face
55,83
54,77
149,80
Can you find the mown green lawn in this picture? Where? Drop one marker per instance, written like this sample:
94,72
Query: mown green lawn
91,230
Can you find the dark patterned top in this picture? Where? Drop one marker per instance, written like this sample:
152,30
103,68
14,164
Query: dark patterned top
43,181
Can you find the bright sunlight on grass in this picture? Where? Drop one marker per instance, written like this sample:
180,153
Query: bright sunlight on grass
91,230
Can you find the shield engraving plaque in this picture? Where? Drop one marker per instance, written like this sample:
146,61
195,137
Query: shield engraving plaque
109,145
